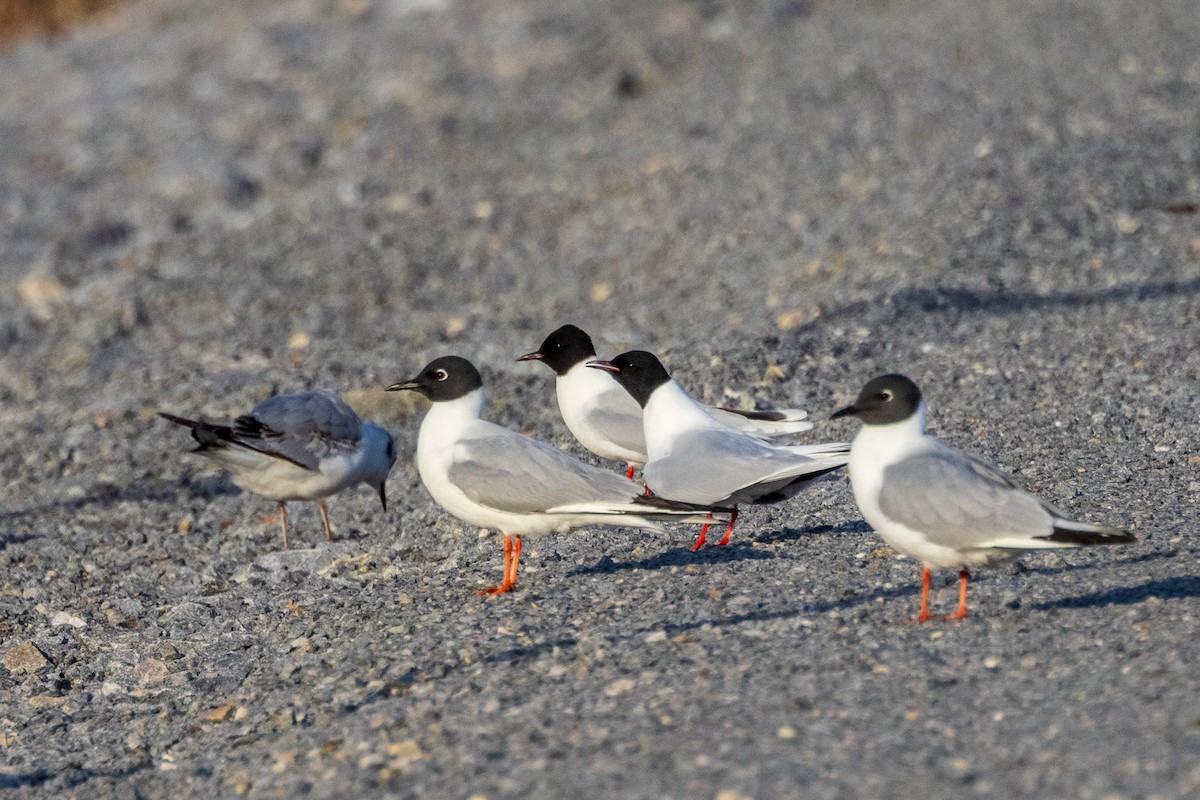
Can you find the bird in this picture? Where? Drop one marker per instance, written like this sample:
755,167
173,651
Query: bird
305,446
608,421
943,506
695,458
493,477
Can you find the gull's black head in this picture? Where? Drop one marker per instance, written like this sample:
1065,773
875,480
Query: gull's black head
638,371
443,379
563,349
884,400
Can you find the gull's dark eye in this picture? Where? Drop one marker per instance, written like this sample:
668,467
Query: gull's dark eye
441,375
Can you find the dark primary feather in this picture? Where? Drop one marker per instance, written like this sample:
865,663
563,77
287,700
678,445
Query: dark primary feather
301,428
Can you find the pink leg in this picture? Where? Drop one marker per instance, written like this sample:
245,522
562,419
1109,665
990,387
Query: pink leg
325,519
729,530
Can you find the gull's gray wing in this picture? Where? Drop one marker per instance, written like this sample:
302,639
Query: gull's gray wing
618,416
302,428
960,501
510,472
712,465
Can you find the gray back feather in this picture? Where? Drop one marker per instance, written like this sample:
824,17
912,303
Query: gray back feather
303,428
713,465
514,473
959,500
620,424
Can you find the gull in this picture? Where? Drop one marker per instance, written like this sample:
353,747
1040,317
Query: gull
941,505
608,422
493,477
694,458
304,446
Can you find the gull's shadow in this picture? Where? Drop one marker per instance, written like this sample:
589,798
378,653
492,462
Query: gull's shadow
682,557
107,494
997,302
735,551
1164,589
1057,569
792,534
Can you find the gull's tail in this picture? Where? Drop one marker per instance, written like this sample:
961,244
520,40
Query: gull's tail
649,509
1082,534
207,435
765,422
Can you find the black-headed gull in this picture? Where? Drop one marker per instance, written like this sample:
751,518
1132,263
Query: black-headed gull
304,446
607,421
940,505
695,458
493,477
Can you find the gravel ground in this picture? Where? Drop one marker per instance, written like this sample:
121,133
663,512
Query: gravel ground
202,203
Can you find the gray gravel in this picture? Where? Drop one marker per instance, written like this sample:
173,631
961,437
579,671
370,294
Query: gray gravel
202,203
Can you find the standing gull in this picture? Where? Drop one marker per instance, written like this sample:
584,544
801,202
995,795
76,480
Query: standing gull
304,446
695,458
940,505
493,477
607,421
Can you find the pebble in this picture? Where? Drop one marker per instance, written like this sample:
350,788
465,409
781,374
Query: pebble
24,657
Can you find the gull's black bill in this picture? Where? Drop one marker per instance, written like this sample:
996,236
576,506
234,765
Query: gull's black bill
536,355
404,387
607,366
848,411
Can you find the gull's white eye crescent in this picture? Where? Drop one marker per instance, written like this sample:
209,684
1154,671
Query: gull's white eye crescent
885,395
441,375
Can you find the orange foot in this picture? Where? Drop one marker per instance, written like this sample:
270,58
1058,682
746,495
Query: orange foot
512,557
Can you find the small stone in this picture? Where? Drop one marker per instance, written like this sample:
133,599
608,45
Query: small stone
40,292
453,326
790,320
619,687
600,292
64,618
47,701
150,670
299,341
219,714
25,657
729,794
404,753
483,209
786,732
1128,224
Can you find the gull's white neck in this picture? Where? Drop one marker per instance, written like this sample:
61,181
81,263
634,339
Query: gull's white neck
669,412
885,444
581,382
445,421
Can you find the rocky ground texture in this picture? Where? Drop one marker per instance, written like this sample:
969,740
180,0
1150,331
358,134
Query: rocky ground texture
202,203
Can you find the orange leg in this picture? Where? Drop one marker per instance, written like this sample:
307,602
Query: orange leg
325,519
512,554
629,472
729,530
283,524
926,578
702,537
964,575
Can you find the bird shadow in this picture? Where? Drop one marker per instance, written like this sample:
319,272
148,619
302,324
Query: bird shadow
735,551
939,299
106,495
1178,587
792,534
1058,569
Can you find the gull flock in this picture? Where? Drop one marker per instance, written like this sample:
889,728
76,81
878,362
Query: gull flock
944,507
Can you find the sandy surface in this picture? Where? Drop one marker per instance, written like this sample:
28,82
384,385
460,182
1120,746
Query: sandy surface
202,203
